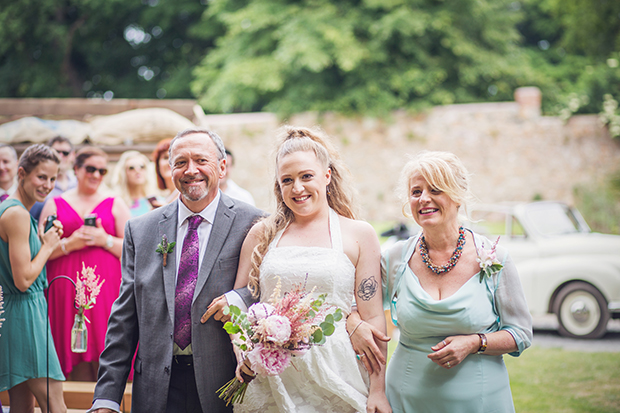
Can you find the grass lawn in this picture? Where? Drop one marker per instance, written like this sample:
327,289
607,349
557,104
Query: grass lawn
553,380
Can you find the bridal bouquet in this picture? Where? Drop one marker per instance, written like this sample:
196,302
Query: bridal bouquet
270,333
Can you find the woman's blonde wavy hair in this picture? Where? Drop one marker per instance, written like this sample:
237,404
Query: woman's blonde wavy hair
339,191
442,170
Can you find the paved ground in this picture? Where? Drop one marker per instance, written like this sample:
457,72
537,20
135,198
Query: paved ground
546,335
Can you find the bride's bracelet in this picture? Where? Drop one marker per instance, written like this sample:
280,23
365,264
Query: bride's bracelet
358,324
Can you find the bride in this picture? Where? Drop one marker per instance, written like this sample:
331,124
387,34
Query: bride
313,237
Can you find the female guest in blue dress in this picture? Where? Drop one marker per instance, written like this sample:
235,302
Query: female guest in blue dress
132,180
23,253
455,324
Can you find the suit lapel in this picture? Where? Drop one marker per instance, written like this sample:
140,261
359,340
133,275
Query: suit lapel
168,226
224,218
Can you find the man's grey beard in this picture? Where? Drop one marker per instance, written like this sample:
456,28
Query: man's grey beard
195,198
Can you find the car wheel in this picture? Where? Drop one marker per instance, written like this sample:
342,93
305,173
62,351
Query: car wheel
582,311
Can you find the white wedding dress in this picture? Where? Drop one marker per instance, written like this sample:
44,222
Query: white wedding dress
327,378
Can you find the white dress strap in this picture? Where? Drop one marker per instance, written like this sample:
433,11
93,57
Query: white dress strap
276,239
334,230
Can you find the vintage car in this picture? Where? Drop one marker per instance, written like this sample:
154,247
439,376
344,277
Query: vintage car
565,268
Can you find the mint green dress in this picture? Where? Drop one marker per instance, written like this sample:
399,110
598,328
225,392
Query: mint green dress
480,382
23,354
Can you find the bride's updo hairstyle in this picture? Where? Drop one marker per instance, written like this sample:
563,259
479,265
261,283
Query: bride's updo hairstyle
442,170
339,197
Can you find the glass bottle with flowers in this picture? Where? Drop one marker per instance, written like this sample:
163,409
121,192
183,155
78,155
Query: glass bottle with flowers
1,306
87,287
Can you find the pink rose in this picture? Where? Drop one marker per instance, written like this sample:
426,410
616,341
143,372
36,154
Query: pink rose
269,360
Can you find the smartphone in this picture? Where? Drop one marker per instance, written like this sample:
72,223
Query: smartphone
153,201
49,222
90,220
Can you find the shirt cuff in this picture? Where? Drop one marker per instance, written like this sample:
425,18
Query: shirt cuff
105,404
235,299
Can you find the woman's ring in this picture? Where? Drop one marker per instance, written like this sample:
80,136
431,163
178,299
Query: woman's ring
444,343
359,356
448,364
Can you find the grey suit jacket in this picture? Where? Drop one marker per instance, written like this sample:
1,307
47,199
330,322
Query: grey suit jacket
144,310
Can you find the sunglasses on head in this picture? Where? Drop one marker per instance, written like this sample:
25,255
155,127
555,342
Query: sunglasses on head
91,170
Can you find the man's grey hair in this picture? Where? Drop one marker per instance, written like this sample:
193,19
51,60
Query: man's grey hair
4,145
219,145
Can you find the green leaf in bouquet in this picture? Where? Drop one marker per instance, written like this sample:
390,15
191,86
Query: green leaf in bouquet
311,314
235,310
338,314
329,319
226,310
328,328
244,347
317,336
231,328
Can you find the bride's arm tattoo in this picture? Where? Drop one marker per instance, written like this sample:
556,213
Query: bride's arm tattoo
367,288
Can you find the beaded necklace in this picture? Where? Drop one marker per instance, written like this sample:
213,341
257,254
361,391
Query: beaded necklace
440,269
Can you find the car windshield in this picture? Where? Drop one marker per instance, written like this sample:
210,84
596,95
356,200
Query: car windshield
552,219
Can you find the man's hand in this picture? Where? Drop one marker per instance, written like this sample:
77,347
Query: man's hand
216,309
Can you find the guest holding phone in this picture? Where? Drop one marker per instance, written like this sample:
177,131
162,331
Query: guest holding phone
23,254
94,224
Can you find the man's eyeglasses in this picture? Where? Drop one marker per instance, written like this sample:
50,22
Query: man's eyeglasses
91,170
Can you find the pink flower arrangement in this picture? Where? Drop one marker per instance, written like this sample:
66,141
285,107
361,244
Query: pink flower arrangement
487,260
1,306
270,334
87,287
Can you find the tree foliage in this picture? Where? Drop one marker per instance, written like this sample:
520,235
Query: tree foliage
368,56
350,56
87,47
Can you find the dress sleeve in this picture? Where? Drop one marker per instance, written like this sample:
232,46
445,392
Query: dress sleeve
511,306
393,261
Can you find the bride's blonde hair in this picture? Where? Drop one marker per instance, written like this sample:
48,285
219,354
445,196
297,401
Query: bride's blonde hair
339,194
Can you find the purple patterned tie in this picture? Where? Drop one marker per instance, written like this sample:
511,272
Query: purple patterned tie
186,284
3,197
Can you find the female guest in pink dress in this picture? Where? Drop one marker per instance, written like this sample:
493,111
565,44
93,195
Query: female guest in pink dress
99,245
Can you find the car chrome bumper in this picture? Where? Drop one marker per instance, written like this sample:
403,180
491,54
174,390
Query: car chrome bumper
614,307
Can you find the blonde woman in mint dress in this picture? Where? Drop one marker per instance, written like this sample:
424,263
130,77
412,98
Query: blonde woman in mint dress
24,353
454,327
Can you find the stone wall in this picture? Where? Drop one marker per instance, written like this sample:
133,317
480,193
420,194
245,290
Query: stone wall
513,153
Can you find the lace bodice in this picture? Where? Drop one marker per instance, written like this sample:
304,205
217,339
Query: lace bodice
329,270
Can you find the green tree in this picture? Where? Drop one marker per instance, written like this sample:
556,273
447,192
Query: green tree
360,56
88,47
575,44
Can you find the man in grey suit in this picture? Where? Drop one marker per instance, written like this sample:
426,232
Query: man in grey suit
180,362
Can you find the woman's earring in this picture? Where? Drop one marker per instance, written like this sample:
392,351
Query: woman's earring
329,192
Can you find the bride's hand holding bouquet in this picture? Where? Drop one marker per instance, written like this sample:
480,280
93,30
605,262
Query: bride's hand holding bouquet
271,333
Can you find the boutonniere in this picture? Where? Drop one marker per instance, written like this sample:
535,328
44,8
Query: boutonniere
165,248
487,259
